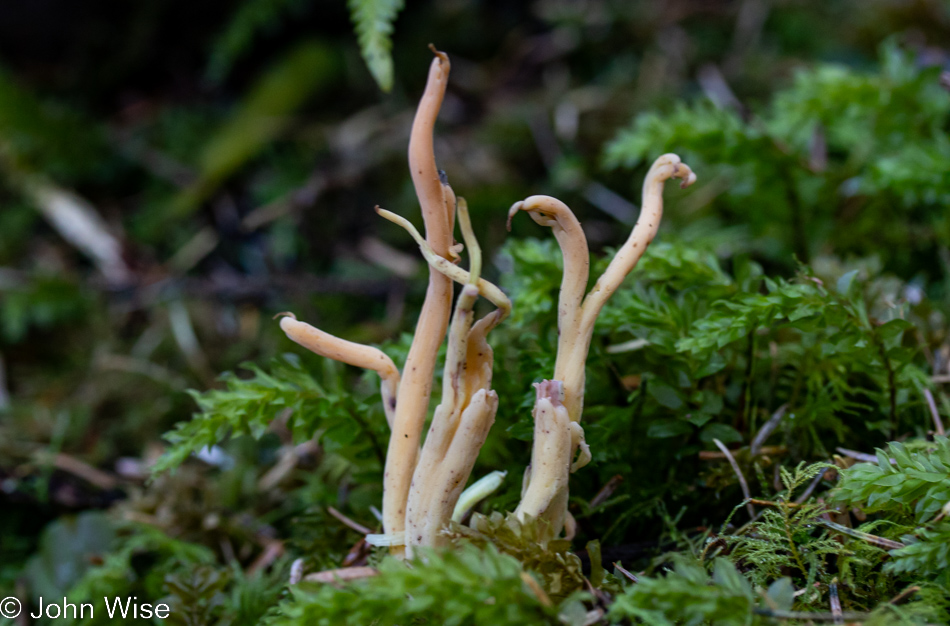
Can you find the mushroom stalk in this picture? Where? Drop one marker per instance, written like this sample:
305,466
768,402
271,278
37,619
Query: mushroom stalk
548,211
348,352
438,205
545,495
467,409
422,485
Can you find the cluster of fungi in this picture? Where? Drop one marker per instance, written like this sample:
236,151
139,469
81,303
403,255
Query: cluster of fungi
422,484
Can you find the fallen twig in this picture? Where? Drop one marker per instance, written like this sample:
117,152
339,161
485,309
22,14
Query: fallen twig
273,550
742,483
606,491
807,615
938,423
536,589
630,575
296,571
881,542
343,574
835,601
363,530
78,222
713,455
903,595
767,430
861,456
811,487
74,466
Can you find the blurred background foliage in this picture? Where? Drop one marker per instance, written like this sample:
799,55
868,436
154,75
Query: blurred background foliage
172,174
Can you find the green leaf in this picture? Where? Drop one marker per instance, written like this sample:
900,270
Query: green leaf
252,18
246,407
782,593
67,547
260,118
687,596
844,283
893,329
668,428
465,586
918,481
373,21
723,432
665,394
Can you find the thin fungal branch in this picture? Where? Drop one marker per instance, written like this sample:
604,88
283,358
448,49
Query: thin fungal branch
464,415
422,485
553,213
442,265
438,209
356,354
545,493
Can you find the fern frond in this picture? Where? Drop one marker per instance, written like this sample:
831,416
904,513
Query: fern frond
916,483
373,21
246,407
927,552
686,595
251,19
468,586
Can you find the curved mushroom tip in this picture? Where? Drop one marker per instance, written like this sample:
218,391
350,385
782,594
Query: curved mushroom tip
443,57
682,171
386,215
517,206
287,321
553,390
689,180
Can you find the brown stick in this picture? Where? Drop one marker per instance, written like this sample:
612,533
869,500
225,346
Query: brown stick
606,491
938,423
712,455
363,530
742,483
342,575
74,466
767,430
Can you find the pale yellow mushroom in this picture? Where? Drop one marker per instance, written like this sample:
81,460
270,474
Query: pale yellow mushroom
462,419
545,496
440,264
437,203
664,168
476,492
576,321
355,354
548,211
